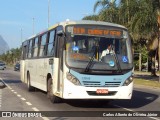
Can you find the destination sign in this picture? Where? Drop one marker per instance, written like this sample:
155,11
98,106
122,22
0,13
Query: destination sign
97,31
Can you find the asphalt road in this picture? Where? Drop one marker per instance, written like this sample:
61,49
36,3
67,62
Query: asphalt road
15,97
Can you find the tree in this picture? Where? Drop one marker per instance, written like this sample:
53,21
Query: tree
11,56
91,17
108,12
139,16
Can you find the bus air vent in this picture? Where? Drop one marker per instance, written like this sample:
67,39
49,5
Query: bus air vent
91,83
98,84
112,84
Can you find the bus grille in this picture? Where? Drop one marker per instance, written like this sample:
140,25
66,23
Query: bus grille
112,84
98,84
91,83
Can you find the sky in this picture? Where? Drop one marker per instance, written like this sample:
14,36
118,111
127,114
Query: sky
17,17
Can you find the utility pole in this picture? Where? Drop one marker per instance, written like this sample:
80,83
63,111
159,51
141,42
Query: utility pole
33,25
48,12
21,35
140,61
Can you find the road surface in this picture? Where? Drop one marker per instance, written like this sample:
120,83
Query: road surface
15,97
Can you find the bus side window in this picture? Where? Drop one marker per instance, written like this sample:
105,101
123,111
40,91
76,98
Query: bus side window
42,45
35,48
50,45
30,49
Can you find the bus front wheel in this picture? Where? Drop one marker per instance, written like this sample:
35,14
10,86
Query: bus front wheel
30,88
50,95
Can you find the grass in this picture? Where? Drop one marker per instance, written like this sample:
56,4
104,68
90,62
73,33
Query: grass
150,83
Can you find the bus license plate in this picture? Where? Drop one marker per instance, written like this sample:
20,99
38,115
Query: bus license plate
102,91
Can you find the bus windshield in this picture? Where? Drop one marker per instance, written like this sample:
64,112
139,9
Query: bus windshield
99,48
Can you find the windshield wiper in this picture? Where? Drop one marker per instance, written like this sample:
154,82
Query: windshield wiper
117,61
91,61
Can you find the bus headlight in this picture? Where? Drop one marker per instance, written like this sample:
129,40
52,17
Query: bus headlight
72,79
128,81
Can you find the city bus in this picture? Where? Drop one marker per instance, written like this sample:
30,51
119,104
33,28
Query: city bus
66,61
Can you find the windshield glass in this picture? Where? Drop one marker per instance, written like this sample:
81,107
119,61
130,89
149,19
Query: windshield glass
111,51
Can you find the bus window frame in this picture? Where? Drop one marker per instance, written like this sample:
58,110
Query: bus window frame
30,48
52,43
55,44
34,47
44,45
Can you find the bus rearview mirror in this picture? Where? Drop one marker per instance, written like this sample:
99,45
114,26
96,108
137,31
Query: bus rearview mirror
60,33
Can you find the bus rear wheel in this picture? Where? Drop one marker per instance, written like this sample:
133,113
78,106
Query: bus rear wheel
50,95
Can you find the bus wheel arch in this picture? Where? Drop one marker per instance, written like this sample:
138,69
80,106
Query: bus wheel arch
30,88
50,95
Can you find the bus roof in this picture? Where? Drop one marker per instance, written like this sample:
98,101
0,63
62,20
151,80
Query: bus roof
80,22
90,22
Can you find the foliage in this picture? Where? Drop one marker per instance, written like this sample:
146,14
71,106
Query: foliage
11,56
139,16
91,17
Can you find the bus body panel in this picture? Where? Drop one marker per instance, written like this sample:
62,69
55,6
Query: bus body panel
22,70
39,68
55,75
89,91
57,79
80,92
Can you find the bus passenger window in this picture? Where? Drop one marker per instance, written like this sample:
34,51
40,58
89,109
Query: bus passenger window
42,45
35,51
30,49
50,45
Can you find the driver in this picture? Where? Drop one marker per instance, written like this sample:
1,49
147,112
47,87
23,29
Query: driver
107,51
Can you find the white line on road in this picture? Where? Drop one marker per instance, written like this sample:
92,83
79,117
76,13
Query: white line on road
0,99
154,118
134,111
28,103
35,109
19,95
124,108
9,87
23,99
45,118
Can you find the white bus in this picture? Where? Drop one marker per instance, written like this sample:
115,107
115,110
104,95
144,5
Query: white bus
66,61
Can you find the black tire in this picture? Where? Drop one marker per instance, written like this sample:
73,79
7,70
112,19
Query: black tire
30,88
53,98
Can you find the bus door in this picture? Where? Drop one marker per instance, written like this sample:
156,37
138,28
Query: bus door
59,55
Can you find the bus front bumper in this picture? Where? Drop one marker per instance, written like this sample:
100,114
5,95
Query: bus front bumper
72,91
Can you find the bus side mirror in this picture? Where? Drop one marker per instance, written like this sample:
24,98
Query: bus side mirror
60,33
